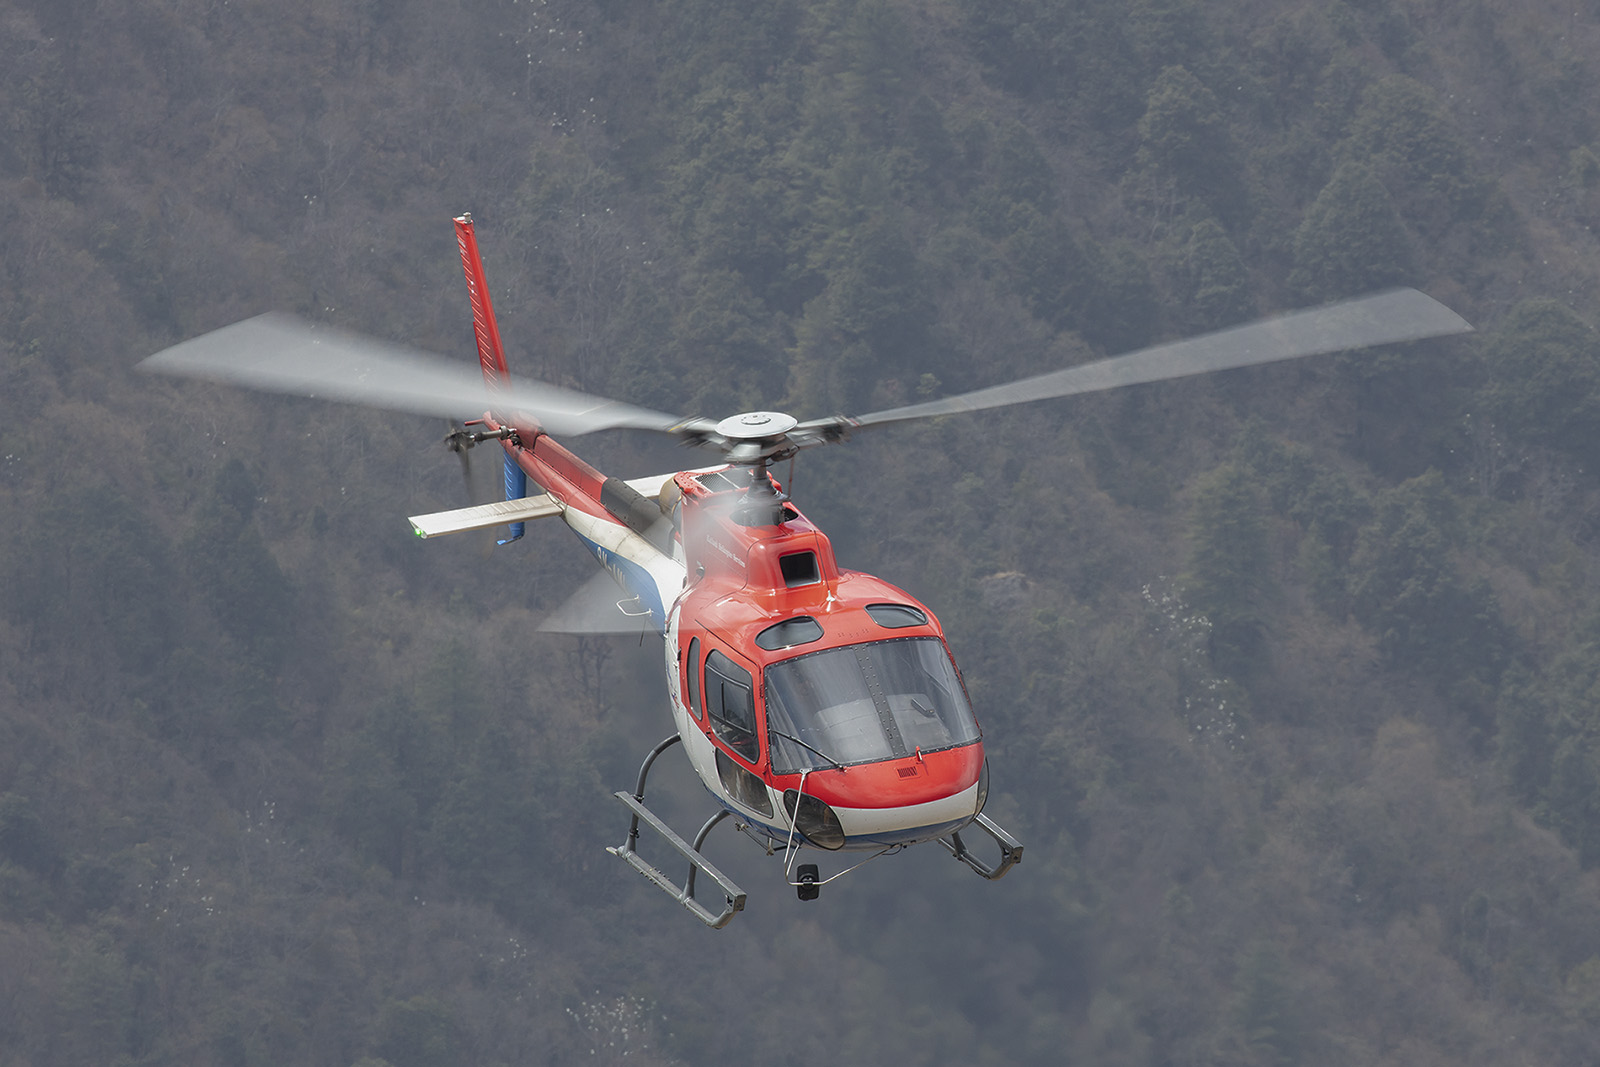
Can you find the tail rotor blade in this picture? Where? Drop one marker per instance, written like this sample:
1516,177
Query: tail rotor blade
459,440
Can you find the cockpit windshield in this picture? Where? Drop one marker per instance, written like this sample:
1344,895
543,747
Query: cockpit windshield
863,703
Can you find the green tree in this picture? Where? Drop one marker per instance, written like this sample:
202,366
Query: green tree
1019,173
1184,141
1300,488
23,837
725,42
398,764
1351,240
728,187
50,114
233,570
1025,43
486,826
94,572
1215,284
1323,502
875,62
1401,132
1182,133
1548,744
721,326
1126,308
1166,32
872,304
1053,272
1078,52
1543,368
873,279
374,805
1265,1007
1408,590
98,1006
1524,718
1228,578
1571,800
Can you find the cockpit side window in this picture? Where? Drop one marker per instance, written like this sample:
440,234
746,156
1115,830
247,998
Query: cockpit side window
730,702
693,672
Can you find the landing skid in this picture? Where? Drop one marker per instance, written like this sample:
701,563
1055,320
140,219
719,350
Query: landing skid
1010,849
732,896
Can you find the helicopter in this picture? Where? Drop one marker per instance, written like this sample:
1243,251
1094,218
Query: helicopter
821,707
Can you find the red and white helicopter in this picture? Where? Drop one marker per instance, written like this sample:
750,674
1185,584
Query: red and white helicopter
819,706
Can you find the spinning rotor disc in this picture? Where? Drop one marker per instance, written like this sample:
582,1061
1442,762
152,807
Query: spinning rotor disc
282,354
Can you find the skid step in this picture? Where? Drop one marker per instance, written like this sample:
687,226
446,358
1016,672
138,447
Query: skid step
1010,849
732,896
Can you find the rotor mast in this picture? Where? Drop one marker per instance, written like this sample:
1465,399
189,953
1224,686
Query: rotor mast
755,440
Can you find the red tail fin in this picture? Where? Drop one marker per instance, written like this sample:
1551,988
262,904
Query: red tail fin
490,354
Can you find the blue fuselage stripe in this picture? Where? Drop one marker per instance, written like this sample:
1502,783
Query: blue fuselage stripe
634,578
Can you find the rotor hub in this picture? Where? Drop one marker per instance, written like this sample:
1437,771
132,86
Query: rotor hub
756,425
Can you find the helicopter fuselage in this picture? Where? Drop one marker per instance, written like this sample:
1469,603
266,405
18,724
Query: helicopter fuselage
820,706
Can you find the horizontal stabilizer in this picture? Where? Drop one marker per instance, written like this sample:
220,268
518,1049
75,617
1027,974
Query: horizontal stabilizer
499,513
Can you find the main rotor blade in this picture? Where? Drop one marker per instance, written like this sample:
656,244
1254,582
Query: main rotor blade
1384,318
282,354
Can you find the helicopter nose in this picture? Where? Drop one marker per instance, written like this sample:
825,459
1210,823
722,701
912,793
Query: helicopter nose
904,800
920,778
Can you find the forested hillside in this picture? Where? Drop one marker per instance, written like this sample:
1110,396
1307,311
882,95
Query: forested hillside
1290,677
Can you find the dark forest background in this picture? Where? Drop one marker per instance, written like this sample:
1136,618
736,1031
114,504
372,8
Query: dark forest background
1290,677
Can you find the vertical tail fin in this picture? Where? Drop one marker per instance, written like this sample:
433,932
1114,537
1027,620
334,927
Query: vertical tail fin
491,355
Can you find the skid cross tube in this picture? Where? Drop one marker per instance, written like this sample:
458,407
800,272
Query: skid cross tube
733,896
1010,849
